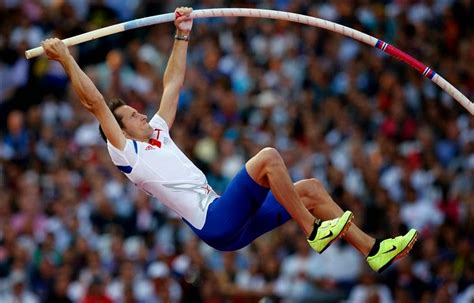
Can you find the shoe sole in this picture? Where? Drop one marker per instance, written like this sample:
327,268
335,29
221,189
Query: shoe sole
401,254
341,234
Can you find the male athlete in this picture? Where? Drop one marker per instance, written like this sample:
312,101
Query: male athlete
260,198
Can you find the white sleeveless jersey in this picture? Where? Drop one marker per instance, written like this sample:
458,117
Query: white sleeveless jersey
163,171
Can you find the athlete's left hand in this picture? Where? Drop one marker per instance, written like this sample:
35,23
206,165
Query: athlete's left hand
55,49
183,21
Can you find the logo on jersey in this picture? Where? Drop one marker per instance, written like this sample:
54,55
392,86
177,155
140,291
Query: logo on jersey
156,141
149,147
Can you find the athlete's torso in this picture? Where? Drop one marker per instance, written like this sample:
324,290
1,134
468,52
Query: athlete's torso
162,170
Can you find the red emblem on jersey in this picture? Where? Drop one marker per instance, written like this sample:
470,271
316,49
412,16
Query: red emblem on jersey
155,141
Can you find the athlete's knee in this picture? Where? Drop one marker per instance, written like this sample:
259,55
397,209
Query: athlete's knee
270,157
310,188
316,184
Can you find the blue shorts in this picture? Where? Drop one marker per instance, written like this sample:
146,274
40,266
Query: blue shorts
243,213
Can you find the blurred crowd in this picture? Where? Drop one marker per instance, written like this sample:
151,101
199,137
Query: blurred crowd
386,142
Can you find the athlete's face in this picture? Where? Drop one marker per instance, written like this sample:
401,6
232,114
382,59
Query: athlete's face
135,125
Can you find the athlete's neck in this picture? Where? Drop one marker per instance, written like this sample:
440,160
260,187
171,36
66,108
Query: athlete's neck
143,138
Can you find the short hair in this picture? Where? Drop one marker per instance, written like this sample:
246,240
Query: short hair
113,104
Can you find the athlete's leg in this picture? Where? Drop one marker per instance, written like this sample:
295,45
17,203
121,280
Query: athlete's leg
380,253
316,199
268,169
228,215
270,215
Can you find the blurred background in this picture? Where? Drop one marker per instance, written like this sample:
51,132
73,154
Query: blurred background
386,142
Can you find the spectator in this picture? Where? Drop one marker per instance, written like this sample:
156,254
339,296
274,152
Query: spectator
164,287
58,292
419,213
96,292
15,145
19,291
370,290
128,279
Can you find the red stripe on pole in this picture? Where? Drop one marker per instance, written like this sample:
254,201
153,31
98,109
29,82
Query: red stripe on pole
401,55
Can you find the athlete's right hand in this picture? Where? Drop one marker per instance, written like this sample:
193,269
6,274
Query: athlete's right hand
55,49
183,20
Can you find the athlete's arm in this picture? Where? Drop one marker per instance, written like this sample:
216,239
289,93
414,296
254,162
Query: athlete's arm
89,95
175,70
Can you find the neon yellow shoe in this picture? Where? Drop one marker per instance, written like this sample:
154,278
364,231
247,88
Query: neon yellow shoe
329,231
391,250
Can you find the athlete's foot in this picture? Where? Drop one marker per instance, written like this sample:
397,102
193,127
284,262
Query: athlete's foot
329,231
391,250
